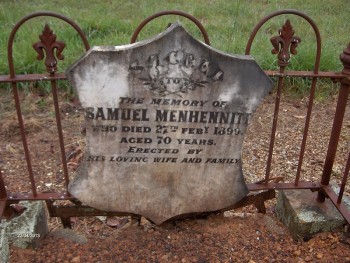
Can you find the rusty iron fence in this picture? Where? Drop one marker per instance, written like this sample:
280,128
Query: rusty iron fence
284,46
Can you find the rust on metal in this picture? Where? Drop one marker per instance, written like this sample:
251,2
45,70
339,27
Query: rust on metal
81,210
256,199
6,210
344,180
170,12
3,204
337,123
39,14
345,59
3,195
287,12
274,125
24,139
340,206
283,186
65,212
48,44
306,129
3,192
337,76
14,197
305,74
335,134
60,133
32,78
251,187
285,44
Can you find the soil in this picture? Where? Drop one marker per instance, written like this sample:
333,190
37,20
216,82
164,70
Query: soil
240,235
229,237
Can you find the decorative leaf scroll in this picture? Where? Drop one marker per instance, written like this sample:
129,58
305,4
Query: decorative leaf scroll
285,43
49,44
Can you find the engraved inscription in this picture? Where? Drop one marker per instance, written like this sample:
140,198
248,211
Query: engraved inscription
178,72
165,124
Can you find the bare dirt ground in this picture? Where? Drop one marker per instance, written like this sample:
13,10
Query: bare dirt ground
241,235
236,237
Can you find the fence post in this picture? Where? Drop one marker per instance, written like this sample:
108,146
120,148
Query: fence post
337,123
3,193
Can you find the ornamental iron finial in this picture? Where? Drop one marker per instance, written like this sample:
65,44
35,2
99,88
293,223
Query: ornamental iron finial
49,44
285,44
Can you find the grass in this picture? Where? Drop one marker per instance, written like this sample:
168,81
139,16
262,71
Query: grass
228,24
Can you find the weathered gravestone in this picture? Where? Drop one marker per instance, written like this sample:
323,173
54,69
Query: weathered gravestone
165,122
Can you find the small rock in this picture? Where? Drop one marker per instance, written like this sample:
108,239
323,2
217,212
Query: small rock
157,233
319,255
198,236
330,236
297,253
119,222
194,259
102,218
164,258
146,224
335,240
144,221
75,259
206,235
308,259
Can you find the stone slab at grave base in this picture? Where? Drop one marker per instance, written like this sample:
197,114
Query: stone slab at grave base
4,247
25,230
304,216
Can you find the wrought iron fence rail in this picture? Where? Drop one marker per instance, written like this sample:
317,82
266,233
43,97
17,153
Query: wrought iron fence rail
272,73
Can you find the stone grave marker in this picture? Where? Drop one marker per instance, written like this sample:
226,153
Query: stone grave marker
165,121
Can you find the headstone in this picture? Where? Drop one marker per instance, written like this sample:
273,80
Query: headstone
165,119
